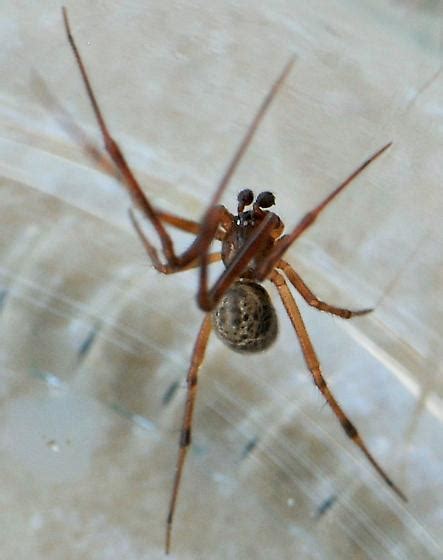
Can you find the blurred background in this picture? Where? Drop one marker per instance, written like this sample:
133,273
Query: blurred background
95,344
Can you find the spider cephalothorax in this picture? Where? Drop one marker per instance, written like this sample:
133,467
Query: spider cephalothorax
245,224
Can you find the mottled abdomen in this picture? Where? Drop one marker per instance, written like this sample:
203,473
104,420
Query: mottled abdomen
245,318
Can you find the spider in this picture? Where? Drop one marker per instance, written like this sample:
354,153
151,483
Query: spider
236,306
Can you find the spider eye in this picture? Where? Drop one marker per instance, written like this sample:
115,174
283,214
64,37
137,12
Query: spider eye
265,200
245,197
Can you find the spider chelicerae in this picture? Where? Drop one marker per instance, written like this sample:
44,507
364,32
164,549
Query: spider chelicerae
236,306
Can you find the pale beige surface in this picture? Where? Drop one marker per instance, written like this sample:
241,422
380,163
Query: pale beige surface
92,339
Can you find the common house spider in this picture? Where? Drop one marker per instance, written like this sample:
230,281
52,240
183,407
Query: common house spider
236,306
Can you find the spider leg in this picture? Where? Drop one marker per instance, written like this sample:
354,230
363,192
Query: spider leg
314,367
311,299
152,253
116,154
308,219
158,265
209,224
247,138
215,214
178,222
185,437
68,123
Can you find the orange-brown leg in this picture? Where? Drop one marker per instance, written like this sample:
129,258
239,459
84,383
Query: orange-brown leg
209,225
308,219
117,156
311,299
158,265
314,367
178,222
185,436
68,123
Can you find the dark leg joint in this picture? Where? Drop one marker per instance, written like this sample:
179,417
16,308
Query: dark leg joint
192,381
185,438
349,428
112,148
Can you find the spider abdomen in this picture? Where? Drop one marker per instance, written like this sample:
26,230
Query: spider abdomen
245,319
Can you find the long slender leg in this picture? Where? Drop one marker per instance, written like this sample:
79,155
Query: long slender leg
114,151
178,222
308,219
212,257
209,225
185,437
244,144
314,367
311,298
152,253
68,123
